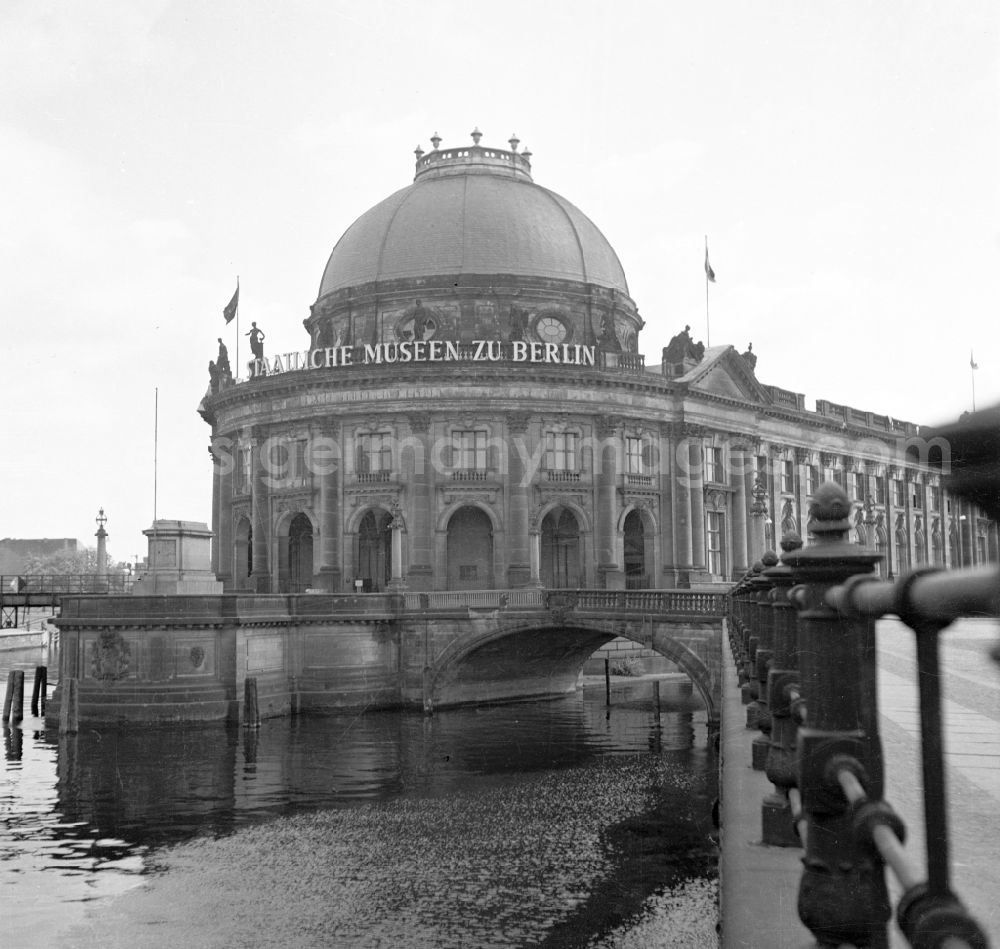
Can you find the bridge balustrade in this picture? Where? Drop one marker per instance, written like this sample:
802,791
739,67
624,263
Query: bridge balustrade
803,638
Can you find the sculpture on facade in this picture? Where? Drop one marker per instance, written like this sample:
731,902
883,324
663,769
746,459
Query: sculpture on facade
421,321
683,350
750,358
609,338
518,323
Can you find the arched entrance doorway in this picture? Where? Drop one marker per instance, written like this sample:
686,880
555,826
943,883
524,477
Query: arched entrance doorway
470,550
300,554
638,562
374,551
560,541
242,554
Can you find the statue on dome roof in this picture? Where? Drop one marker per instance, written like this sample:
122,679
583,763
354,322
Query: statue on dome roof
222,363
256,341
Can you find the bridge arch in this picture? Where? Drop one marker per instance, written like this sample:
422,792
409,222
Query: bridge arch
523,661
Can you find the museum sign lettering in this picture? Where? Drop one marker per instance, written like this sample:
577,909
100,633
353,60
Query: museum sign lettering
426,351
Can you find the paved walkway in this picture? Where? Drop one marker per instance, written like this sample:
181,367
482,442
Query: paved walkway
760,884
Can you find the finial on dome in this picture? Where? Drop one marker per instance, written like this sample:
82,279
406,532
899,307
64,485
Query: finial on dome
526,155
476,135
513,141
419,152
435,140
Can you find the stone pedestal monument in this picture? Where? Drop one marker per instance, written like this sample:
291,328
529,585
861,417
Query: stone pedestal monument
179,561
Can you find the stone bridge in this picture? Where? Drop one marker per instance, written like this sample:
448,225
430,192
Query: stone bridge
139,658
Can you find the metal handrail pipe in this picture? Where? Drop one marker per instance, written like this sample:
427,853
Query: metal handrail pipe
884,838
938,597
798,815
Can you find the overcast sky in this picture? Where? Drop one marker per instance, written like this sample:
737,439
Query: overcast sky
841,157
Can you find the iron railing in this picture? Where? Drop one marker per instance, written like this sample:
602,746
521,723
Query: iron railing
27,584
802,631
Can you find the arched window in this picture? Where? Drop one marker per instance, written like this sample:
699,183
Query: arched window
470,550
300,554
560,546
374,547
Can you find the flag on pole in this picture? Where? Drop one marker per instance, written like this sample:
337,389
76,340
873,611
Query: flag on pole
230,310
709,272
972,362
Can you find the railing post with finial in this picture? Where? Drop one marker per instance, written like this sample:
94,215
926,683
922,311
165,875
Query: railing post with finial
777,825
762,658
749,647
842,894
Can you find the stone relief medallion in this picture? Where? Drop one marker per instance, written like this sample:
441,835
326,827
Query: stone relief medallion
197,657
110,657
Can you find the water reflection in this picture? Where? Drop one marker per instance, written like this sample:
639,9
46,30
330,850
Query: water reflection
106,799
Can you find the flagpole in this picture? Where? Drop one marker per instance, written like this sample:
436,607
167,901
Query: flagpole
708,326
237,328
156,444
972,372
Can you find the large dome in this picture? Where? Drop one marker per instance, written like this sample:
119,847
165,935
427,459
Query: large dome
473,211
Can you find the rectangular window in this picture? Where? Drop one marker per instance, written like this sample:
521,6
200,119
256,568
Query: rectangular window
715,543
898,492
244,471
918,497
374,453
560,451
713,465
468,450
788,477
858,486
468,572
879,490
812,479
297,473
633,455
760,470
830,474
935,499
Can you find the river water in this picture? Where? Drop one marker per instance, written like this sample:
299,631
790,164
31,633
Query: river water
558,824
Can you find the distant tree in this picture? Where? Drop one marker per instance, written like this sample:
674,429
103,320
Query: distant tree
65,561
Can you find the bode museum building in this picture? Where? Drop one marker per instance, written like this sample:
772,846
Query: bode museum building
470,410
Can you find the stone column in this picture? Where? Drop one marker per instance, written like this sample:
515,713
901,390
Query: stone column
666,460
606,463
535,551
518,476
326,462
697,495
216,507
397,582
740,509
682,513
102,545
260,578
224,537
420,575
801,490
758,517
